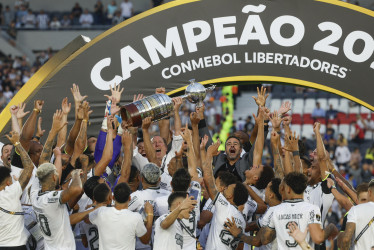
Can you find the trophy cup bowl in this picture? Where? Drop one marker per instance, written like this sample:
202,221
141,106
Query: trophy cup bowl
160,106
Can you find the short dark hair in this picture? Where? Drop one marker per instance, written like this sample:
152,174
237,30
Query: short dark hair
134,172
363,187
266,175
2,148
90,185
181,180
139,141
235,137
101,192
296,181
4,174
240,194
174,196
275,182
122,192
226,178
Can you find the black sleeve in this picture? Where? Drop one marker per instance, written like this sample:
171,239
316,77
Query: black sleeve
324,187
342,229
66,172
15,159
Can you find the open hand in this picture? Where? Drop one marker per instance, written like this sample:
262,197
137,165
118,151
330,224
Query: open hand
261,97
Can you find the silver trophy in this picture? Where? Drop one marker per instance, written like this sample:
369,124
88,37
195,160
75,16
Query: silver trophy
160,106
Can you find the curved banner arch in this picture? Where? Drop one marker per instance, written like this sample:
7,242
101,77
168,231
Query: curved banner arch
311,43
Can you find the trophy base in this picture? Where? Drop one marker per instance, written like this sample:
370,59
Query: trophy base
131,115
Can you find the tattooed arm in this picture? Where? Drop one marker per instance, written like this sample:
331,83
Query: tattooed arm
344,242
278,165
127,158
57,125
28,166
61,138
208,170
29,127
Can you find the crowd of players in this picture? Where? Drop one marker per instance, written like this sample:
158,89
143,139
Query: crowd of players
126,190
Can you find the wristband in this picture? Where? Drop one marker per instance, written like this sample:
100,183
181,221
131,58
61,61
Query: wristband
149,214
239,236
294,153
84,120
37,110
16,144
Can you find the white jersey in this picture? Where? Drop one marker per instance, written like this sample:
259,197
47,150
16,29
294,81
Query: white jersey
176,145
25,199
219,237
139,198
203,238
314,195
16,173
117,228
250,208
171,238
298,211
165,181
35,236
264,221
92,235
361,215
12,230
53,218
189,226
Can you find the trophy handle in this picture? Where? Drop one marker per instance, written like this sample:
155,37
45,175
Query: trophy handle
211,88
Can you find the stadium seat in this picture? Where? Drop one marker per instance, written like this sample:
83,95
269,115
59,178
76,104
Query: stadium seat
344,129
343,105
323,103
307,131
321,120
352,117
334,102
275,104
369,135
333,121
323,129
307,119
354,110
309,105
296,128
296,119
298,106
364,110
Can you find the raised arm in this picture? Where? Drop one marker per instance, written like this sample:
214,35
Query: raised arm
127,158
21,113
15,125
346,237
187,204
78,98
108,150
278,165
195,136
57,125
81,140
293,147
321,151
208,170
73,193
203,143
261,102
148,208
164,124
65,106
259,145
261,206
191,157
341,199
276,121
58,162
351,193
74,131
177,120
29,127
28,166
148,147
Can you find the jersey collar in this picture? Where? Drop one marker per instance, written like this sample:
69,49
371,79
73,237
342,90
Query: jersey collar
293,201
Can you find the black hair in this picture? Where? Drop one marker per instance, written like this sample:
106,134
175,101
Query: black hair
181,180
139,141
6,144
101,192
122,192
174,196
90,185
296,181
134,172
4,174
275,182
240,194
78,163
226,178
266,175
235,137
302,149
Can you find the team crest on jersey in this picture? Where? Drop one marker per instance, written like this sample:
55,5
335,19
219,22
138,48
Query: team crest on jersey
312,216
55,193
179,239
318,217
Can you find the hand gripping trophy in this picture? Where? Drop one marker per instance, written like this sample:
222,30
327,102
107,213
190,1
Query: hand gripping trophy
160,106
